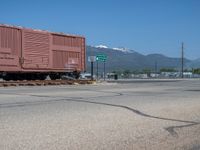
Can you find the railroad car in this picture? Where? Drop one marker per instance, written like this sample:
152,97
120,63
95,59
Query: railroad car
28,54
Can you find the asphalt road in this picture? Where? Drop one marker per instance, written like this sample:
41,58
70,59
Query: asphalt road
156,115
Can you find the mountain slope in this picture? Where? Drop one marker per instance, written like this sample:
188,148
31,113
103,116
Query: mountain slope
131,60
194,64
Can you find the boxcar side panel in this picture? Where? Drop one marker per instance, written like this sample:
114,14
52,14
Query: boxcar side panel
27,50
10,49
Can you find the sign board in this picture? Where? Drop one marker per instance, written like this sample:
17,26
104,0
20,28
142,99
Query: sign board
92,58
101,57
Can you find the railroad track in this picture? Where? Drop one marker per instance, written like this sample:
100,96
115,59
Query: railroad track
44,82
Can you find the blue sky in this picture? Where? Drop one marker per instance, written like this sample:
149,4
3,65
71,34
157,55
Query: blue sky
147,26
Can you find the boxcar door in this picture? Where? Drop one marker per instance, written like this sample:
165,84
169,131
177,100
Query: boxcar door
36,45
66,51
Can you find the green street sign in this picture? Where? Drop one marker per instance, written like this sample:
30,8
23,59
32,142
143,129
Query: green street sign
101,57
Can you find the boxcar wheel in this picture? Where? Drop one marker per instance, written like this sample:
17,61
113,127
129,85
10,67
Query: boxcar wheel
54,76
42,77
76,74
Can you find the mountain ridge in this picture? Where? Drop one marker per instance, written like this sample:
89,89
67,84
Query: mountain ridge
133,60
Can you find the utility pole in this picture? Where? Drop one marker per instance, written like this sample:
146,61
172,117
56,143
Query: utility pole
182,59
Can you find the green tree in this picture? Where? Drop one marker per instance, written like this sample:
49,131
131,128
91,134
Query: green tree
127,73
196,71
135,71
167,70
147,71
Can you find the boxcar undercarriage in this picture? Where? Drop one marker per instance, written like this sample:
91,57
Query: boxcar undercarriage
37,75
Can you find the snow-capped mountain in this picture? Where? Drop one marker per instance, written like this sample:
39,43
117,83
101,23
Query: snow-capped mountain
101,46
122,49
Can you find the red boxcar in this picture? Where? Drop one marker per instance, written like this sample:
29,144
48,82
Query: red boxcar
32,54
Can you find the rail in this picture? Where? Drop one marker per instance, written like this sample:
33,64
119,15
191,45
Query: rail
43,82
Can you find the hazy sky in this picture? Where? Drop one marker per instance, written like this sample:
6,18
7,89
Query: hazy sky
147,26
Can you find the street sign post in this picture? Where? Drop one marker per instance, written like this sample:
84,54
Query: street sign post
102,58
104,70
92,59
97,70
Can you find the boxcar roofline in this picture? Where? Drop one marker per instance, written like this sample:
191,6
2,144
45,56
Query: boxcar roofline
44,31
